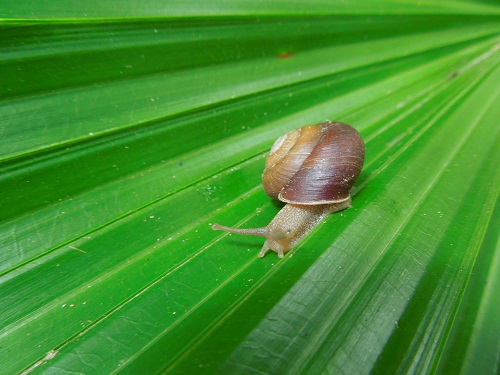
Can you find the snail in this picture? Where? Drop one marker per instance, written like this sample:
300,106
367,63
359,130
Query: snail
312,169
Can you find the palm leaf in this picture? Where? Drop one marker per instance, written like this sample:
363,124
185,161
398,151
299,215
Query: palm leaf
129,127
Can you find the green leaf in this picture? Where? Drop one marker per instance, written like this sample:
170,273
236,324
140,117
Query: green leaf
128,128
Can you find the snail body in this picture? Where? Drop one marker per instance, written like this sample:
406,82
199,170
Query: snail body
312,169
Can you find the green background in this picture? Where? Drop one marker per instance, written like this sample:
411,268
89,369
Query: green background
128,127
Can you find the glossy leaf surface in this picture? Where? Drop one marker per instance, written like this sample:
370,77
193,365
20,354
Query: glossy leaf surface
126,131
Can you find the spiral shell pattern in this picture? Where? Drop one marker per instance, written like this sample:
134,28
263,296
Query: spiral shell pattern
315,164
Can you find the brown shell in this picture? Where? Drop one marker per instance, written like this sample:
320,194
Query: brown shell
315,164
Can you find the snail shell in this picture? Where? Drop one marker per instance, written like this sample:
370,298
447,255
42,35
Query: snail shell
315,164
312,169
